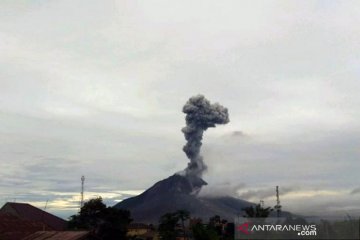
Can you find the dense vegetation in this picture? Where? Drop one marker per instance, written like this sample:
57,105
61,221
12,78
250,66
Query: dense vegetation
103,222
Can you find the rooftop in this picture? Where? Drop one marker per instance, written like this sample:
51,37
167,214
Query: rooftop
55,235
29,212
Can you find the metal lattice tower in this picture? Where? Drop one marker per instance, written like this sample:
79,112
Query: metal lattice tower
277,206
82,192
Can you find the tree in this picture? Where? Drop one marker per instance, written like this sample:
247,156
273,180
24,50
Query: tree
167,226
104,222
200,232
216,224
183,215
89,215
216,229
257,212
229,231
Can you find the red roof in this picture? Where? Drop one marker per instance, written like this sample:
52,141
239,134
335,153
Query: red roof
29,212
53,235
14,228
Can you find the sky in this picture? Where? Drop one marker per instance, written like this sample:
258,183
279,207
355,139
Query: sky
96,88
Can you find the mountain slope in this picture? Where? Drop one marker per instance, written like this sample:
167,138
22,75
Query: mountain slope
177,192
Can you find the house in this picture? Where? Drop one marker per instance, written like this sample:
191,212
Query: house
141,231
26,211
22,221
14,228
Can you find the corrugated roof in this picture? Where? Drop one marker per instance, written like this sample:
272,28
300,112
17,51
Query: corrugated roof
14,228
54,235
29,212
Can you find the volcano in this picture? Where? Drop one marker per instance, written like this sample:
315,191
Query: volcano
178,192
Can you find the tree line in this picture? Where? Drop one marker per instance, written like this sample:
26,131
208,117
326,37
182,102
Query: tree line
109,223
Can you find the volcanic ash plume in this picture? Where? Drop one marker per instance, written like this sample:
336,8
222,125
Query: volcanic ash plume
200,115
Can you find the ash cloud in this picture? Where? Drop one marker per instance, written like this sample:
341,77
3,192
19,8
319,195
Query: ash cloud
200,115
222,189
265,193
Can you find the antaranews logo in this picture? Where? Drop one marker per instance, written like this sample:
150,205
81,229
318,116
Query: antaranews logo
303,230
244,228
296,228
270,228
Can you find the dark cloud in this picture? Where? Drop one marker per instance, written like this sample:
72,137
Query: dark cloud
238,134
355,191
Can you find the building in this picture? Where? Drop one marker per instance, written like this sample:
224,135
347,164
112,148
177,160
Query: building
14,228
21,221
141,231
28,212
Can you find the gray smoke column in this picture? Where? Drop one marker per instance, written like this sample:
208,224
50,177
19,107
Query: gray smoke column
200,115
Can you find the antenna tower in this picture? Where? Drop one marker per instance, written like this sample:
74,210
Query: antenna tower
277,206
82,192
